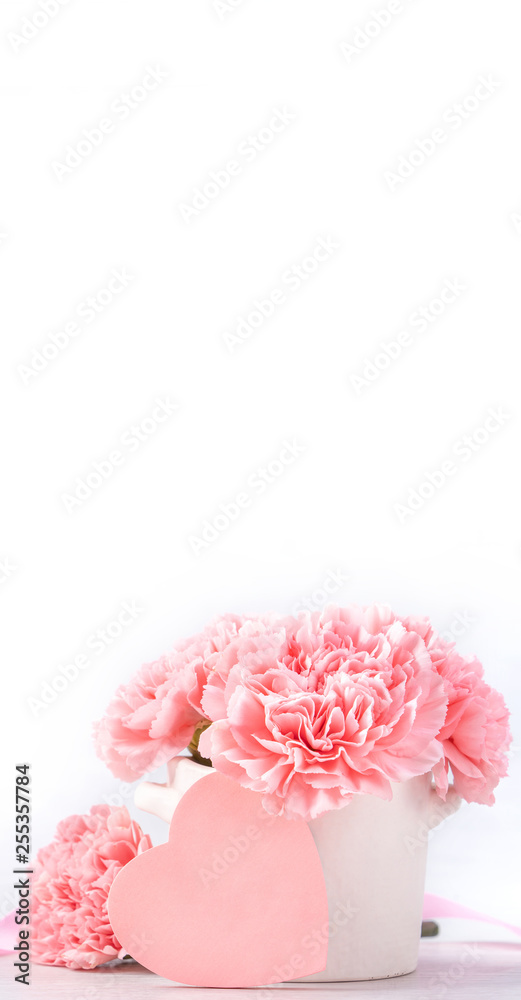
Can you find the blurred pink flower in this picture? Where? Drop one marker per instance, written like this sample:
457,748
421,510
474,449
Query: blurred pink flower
155,715
326,706
476,734
70,886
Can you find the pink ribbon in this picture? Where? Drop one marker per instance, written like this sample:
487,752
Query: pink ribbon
8,934
435,907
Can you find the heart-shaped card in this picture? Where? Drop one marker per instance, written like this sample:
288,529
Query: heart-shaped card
236,898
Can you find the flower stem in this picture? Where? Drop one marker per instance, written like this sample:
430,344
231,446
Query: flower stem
194,744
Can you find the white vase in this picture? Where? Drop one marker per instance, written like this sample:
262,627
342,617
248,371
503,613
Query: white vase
373,856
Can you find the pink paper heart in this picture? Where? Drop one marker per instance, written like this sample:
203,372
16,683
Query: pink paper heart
235,898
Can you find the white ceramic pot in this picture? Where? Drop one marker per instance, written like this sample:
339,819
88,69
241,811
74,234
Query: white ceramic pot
373,856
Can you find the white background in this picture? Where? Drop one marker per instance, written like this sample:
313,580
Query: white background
333,510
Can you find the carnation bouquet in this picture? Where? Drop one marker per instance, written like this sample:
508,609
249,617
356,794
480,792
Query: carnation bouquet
314,709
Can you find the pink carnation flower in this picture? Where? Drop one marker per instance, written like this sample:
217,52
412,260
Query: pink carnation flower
475,735
326,706
310,710
70,886
155,715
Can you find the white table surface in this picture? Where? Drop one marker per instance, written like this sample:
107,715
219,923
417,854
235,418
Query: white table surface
450,969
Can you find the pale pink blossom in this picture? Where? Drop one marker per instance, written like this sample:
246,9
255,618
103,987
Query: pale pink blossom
154,716
326,706
70,886
475,735
311,710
